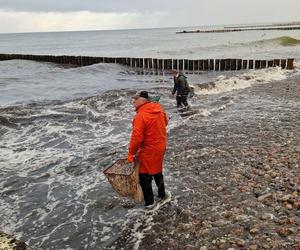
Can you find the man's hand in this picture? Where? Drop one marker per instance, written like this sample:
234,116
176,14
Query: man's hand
130,158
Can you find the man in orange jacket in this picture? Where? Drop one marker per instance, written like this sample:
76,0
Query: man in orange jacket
148,143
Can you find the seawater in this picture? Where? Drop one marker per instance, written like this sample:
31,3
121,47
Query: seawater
61,126
157,43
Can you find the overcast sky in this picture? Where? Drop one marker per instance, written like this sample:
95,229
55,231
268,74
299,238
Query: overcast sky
67,15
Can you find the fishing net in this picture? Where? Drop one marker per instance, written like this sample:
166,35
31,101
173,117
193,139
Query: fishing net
124,178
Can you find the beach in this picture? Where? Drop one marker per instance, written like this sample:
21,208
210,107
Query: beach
232,162
239,180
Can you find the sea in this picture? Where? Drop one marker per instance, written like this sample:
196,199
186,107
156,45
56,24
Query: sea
61,125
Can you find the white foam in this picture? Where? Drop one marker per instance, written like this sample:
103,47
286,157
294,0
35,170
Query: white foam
246,80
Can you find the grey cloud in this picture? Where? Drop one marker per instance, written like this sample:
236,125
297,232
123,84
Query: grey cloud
90,5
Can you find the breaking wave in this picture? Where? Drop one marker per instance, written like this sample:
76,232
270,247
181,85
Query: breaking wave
245,80
282,40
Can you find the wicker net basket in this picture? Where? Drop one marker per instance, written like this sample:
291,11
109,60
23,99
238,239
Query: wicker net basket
124,178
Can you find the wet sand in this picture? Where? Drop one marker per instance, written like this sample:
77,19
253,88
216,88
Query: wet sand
237,177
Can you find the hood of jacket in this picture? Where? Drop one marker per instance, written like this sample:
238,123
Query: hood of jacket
150,107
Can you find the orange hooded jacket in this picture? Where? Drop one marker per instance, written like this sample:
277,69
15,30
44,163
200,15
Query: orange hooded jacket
149,137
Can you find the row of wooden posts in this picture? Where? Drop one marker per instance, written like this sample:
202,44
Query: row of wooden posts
159,64
237,30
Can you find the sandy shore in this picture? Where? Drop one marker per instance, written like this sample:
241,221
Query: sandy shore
237,177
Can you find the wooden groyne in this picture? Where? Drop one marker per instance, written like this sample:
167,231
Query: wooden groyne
159,64
263,25
237,30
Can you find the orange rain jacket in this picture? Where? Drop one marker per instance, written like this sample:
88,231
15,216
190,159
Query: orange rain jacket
149,137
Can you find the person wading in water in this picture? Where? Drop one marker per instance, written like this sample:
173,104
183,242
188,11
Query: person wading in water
148,144
181,89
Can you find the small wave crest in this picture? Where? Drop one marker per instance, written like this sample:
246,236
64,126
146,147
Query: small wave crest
282,40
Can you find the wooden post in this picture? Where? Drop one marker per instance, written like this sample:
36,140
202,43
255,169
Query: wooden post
200,65
232,64
227,64
196,65
71,59
94,59
123,60
175,64
217,64
155,64
205,65
67,59
141,62
3,57
211,64
78,61
105,59
222,64
276,62
165,63
257,64
180,64
160,64
270,63
239,64
283,63
150,63
146,63
191,65
186,64
263,64
138,62
91,60
290,63
132,63
245,64
84,60
50,59
250,64
168,64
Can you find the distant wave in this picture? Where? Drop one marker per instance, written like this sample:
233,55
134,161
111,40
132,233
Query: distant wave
282,40
286,41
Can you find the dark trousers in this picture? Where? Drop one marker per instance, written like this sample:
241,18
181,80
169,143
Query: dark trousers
146,184
181,99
